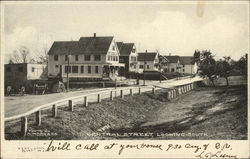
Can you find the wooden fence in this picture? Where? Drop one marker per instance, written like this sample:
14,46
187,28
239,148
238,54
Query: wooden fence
172,93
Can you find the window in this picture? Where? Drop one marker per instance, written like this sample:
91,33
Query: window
96,69
56,66
134,66
141,66
74,69
97,57
172,69
121,60
116,58
133,50
113,48
66,69
87,57
20,69
82,69
108,58
183,70
147,66
89,69
55,57
183,65
8,69
76,58
32,69
66,57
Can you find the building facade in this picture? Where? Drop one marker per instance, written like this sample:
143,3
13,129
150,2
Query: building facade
128,56
188,65
182,64
21,74
87,59
173,63
148,61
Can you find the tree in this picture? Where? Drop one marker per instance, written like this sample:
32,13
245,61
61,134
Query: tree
43,57
241,65
20,56
197,55
207,65
224,67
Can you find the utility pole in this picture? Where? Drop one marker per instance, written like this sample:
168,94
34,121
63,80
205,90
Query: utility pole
144,69
68,73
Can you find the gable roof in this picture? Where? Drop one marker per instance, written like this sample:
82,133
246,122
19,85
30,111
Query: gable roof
125,49
186,60
149,56
86,45
163,59
172,59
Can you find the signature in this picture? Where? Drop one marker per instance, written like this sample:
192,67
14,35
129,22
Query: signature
218,154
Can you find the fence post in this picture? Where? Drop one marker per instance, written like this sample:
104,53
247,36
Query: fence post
179,91
131,91
38,118
24,125
174,93
139,91
167,95
54,110
153,90
71,107
99,98
122,95
111,95
85,101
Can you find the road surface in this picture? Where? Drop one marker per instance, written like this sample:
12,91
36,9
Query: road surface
16,105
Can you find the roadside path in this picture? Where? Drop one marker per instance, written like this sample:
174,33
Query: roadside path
16,105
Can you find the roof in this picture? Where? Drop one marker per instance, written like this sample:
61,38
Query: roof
163,59
86,45
149,56
125,49
172,59
185,60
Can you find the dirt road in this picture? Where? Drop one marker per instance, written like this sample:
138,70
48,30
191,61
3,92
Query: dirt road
15,105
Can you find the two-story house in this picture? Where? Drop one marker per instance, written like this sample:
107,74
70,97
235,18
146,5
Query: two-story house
148,61
128,56
90,58
188,65
182,64
173,63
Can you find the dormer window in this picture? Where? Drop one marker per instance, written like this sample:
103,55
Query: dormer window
113,48
133,50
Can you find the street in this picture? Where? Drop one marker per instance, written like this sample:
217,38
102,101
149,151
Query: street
15,105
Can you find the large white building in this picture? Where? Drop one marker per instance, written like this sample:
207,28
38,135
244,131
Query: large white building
90,58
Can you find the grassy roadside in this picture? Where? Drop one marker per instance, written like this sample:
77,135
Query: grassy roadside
207,110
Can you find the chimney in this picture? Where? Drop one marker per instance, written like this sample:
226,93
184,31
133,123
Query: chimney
94,35
146,51
169,54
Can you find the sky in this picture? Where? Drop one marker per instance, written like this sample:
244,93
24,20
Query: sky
178,28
